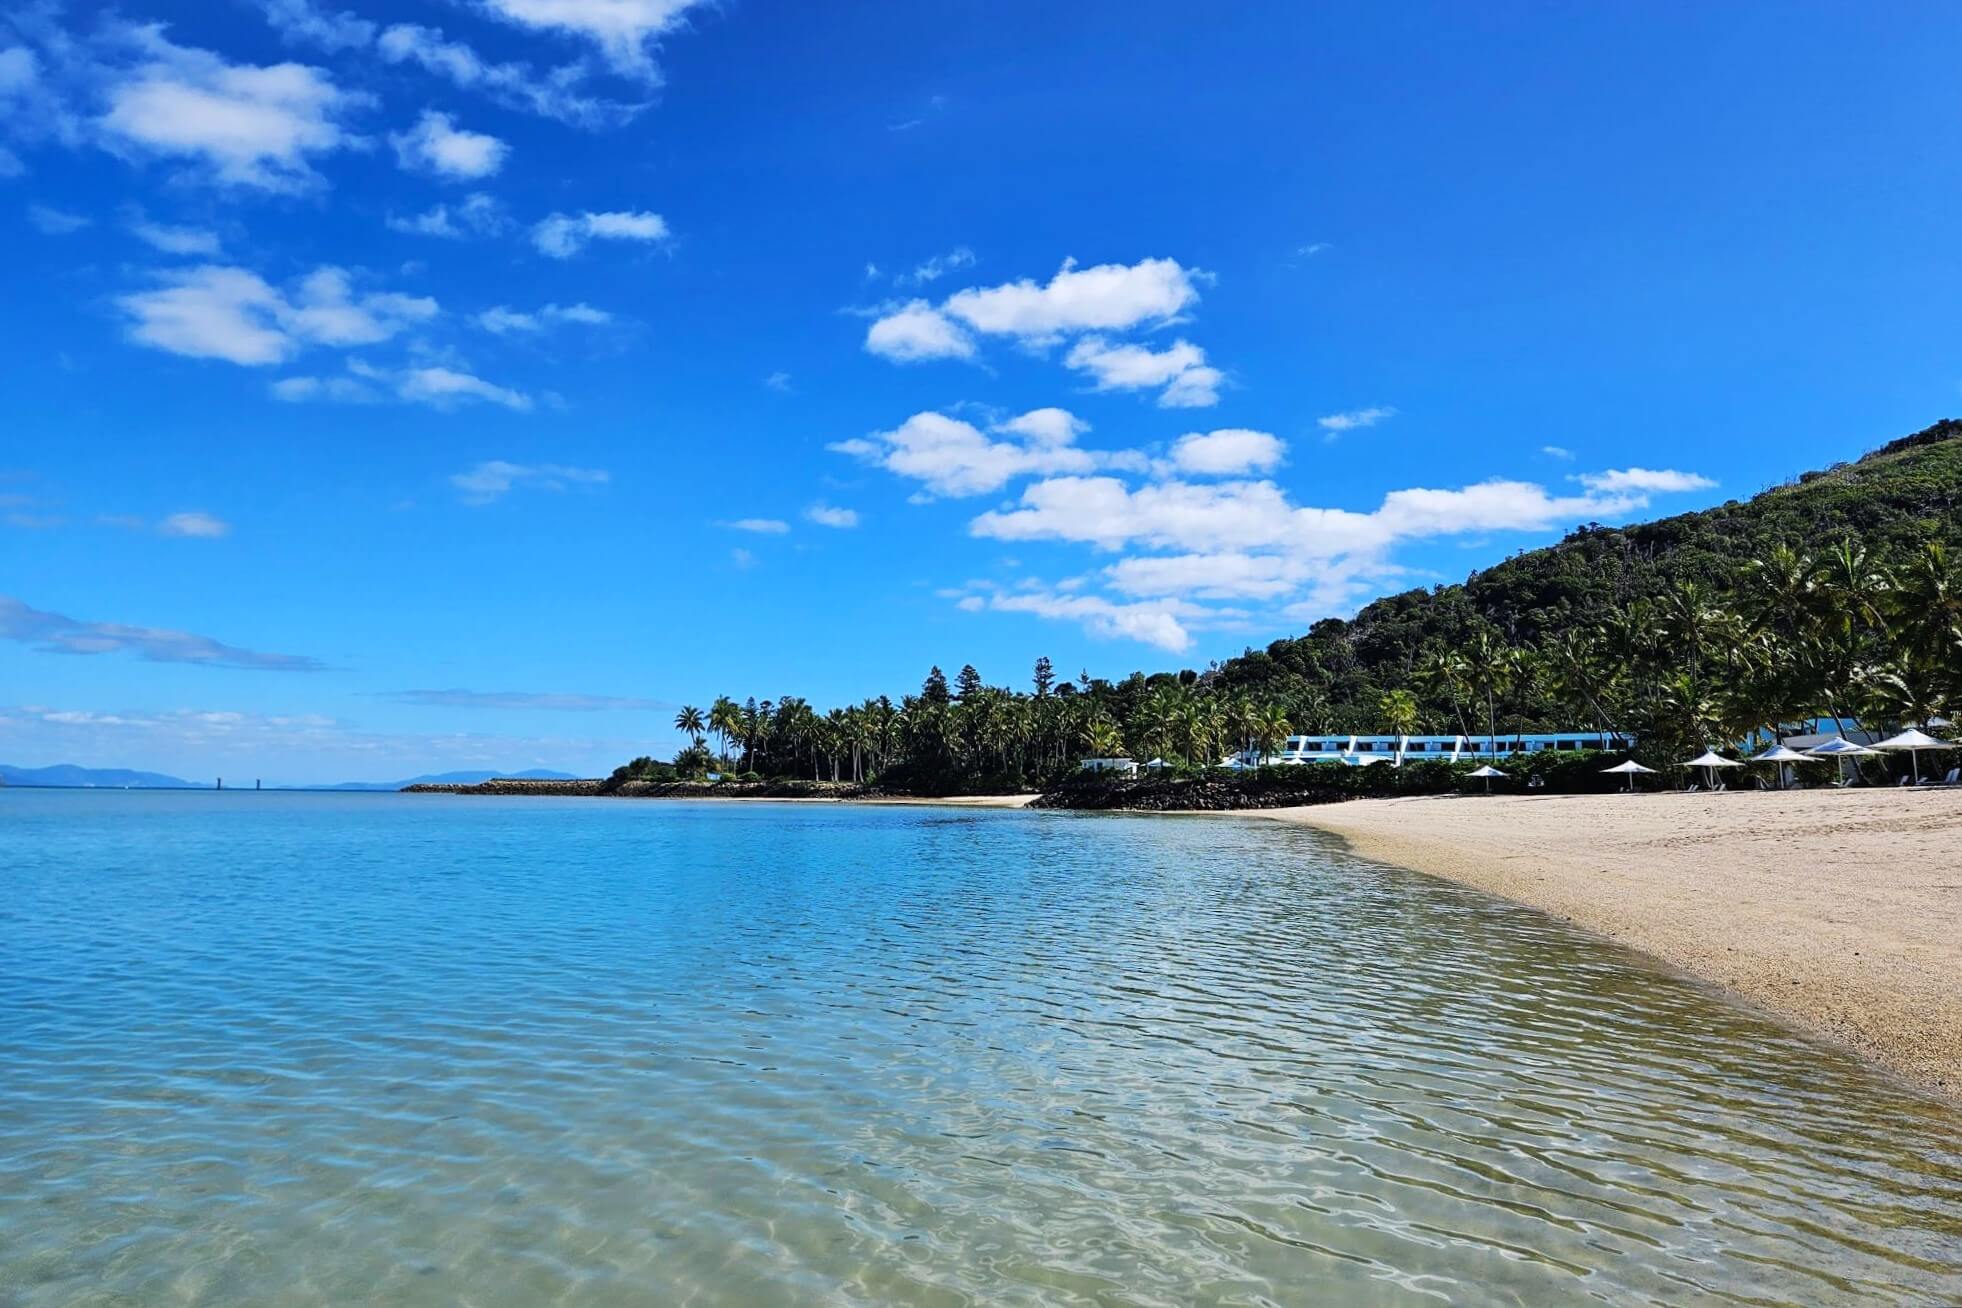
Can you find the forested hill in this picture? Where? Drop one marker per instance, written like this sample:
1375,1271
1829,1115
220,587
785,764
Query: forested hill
1888,502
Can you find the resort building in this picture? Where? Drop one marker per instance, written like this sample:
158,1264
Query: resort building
1123,767
1358,751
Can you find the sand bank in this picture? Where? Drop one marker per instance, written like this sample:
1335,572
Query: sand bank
1839,910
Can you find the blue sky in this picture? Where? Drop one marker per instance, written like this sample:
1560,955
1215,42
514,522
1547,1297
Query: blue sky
464,384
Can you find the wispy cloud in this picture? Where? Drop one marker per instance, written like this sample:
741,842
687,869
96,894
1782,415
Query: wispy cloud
826,515
760,526
1355,419
56,633
490,481
55,222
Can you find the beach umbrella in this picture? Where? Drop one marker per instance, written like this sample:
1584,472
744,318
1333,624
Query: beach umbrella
1840,747
1782,755
1630,768
1710,760
1487,772
1914,742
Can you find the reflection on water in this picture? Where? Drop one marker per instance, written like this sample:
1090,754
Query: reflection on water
262,1048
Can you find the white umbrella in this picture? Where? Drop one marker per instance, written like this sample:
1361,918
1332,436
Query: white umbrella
1781,755
1914,742
1631,767
1709,760
1487,772
1840,747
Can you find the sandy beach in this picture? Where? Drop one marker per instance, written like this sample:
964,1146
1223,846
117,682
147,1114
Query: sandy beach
1838,910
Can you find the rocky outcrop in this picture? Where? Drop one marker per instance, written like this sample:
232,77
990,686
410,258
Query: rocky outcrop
654,789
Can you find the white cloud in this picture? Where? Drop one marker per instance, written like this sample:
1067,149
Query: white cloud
176,240
550,93
442,387
504,321
1230,451
336,390
476,215
1085,303
1226,574
825,515
759,526
1149,622
439,387
563,235
778,381
492,480
917,332
1108,297
55,222
626,31
1051,426
214,312
1355,419
1180,368
304,23
244,124
201,526
1622,480
437,145
1560,452
953,458
1312,249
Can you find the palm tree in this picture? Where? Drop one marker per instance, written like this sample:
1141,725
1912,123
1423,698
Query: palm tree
725,719
1270,729
690,723
1443,672
1399,710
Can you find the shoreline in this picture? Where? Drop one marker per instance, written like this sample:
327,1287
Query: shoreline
1839,912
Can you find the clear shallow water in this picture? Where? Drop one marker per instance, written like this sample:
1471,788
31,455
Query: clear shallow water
310,1049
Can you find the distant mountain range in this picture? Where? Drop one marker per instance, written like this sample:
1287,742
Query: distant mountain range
69,774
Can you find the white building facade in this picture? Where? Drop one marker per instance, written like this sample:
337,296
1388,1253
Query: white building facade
1384,747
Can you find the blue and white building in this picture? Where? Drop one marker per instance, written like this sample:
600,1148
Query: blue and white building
1383,747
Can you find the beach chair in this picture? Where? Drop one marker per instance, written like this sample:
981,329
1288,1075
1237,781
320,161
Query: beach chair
1906,781
1954,777
1691,788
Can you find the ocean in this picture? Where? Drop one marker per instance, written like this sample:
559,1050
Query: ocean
326,1049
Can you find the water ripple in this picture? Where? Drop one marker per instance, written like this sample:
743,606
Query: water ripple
265,1048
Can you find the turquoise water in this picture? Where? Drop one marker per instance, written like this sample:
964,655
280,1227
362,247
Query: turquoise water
429,1050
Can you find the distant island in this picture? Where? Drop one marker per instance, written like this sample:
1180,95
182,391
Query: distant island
75,777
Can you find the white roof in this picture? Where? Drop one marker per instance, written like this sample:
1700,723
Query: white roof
1487,771
1912,739
1630,766
1710,758
1838,747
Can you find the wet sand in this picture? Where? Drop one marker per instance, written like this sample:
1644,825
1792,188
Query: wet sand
1838,910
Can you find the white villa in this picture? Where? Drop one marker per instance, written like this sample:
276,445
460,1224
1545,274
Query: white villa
1358,751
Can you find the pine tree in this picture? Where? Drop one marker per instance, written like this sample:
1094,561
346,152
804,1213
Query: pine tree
935,689
967,684
1045,676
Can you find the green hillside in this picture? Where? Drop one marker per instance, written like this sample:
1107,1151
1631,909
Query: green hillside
1889,504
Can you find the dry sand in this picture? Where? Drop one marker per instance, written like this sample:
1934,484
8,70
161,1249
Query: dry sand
1838,910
